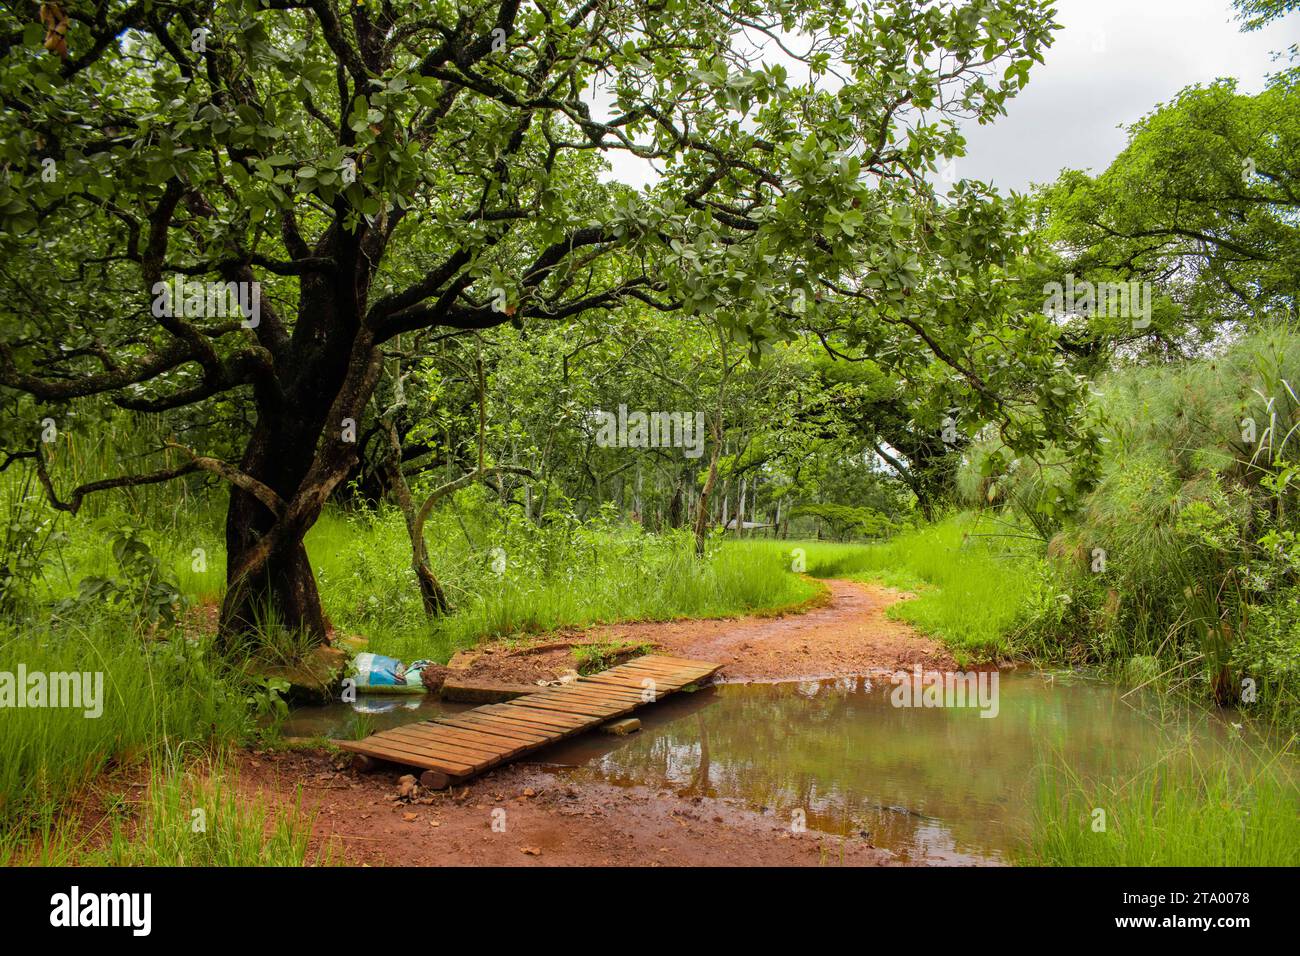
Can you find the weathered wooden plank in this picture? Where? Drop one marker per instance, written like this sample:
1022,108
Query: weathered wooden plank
440,739
460,745
476,740
600,695
573,705
439,750
494,728
650,666
641,682
385,750
540,718
591,687
503,727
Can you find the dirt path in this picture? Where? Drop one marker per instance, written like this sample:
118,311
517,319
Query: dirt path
850,634
550,819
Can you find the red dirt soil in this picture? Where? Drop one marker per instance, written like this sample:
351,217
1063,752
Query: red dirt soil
550,820
547,821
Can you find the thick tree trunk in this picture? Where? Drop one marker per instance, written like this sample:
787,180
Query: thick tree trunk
283,593
303,445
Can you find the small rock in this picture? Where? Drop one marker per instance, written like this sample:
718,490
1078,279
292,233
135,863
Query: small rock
531,850
410,817
621,728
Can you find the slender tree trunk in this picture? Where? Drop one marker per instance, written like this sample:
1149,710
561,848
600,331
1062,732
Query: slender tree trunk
432,596
702,510
740,509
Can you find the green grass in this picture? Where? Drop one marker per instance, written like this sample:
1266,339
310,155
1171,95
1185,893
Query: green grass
189,814
155,694
974,586
194,817
1177,813
599,575
568,576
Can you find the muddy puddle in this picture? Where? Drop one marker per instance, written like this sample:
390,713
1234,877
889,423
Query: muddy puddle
929,784
370,713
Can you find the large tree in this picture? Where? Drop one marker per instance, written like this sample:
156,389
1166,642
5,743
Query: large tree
1202,204
382,169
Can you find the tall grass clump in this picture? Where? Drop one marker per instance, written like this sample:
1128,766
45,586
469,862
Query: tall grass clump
1182,811
187,812
193,815
155,694
975,582
562,573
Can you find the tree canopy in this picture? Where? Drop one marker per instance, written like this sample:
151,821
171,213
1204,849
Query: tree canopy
375,176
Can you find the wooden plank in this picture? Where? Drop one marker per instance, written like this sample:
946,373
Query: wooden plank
512,730
443,740
402,741
650,665
606,694
571,705
504,731
386,751
595,687
439,750
672,672
607,701
630,676
537,717
682,661
639,683
518,710
460,745
481,741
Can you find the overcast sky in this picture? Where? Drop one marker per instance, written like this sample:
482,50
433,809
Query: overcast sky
1112,62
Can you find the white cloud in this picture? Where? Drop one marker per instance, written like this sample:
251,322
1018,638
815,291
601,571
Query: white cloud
1112,62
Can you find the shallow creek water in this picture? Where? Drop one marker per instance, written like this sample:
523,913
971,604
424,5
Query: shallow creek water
937,784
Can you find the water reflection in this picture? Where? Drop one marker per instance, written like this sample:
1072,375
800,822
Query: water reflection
370,713
926,783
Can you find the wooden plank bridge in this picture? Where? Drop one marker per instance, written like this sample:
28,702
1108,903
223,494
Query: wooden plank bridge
453,748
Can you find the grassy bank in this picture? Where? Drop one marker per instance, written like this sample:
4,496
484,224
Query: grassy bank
1180,812
570,576
187,812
